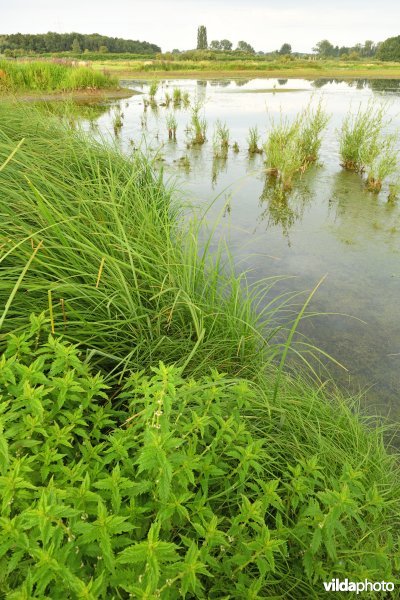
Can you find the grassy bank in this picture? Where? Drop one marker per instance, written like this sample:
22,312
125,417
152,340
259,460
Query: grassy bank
174,481
285,69
20,77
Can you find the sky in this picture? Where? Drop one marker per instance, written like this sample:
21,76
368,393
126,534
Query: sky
265,24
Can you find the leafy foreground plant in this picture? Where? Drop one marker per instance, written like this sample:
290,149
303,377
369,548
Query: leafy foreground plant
168,488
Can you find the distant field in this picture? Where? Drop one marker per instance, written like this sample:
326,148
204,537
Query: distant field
211,68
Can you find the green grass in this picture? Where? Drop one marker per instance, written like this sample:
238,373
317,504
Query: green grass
256,65
102,216
18,77
221,140
182,479
365,146
292,147
253,141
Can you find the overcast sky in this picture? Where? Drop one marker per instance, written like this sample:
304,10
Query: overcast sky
265,24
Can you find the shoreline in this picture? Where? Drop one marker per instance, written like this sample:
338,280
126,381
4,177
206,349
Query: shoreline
78,95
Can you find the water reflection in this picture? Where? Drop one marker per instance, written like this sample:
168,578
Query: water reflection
386,86
329,223
282,209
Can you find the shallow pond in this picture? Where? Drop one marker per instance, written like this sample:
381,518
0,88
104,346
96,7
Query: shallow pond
329,225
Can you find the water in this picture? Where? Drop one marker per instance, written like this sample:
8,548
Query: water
330,226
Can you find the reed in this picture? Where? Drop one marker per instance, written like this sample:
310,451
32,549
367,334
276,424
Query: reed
283,159
312,123
253,140
168,99
172,126
198,125
185,100
177,97
153,89
365,146
221,140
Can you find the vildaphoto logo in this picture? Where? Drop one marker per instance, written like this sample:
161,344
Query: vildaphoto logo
335,585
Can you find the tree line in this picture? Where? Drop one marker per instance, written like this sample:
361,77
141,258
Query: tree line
387,50
75,42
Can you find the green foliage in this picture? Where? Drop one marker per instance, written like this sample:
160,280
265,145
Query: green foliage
50,76
365,147
172,125
245,47
153,88
177,96
159,486
221,140
253,141
130,279
61,42
292,147
199,125
202,38
389,49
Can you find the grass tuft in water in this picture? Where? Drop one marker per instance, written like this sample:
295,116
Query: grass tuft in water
253,140
221,140
172,126
153,89
364,146
199,125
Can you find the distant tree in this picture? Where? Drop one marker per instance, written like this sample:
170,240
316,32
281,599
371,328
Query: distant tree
103,49
176,51
202,38
63,42
215,45
369,48
226,45
285,49
76,47
389,49
245,47
324,49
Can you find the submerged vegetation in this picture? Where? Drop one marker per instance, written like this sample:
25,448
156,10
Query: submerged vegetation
159,446
49,76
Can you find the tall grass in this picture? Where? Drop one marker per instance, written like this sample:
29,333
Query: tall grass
283,159
46,77
134,286
172,126
221,140
199,125
293,146
153,89
97,241
177,96
364,145
253,141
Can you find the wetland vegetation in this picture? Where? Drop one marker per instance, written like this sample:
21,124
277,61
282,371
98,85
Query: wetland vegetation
160,445
17,77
